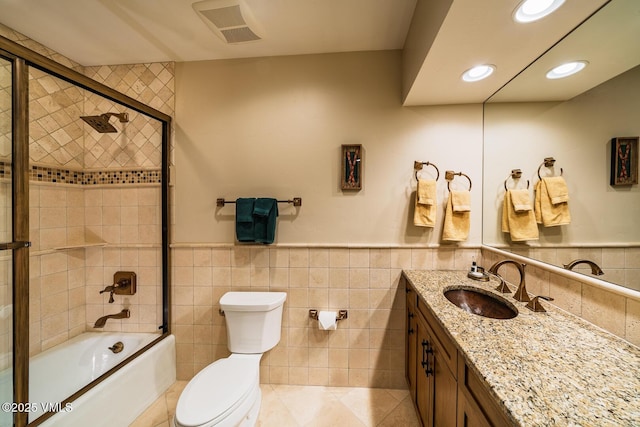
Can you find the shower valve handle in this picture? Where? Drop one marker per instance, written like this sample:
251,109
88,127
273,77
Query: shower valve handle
111,290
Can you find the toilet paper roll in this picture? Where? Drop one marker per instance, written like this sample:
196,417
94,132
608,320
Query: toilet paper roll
327,320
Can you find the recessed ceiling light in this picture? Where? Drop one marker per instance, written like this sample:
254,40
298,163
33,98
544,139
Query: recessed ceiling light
566,69
532,10
478,72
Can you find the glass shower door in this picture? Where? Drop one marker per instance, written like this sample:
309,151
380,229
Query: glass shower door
14,234
6,237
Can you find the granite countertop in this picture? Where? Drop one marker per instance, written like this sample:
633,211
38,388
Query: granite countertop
546,369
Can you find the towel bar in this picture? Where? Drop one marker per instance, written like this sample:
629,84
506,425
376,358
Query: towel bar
418,166
548,163
449,175
515,174
297,201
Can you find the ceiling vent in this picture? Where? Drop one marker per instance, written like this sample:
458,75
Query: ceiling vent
228,20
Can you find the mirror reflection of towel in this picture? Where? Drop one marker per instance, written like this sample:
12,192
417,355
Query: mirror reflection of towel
552,202
457,223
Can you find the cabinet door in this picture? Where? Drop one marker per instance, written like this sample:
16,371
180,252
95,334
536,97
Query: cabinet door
410,344
469,414
445,390
424,376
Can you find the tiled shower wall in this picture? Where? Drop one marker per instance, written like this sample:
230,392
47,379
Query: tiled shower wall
94,199
81,235
367,349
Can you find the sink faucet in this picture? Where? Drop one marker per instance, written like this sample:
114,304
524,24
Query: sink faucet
595,269
124,314
122,283
521,294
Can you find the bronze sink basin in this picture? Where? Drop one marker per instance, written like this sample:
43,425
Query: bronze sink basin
480,302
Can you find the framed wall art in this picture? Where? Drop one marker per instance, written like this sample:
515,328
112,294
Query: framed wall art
351,178
624,161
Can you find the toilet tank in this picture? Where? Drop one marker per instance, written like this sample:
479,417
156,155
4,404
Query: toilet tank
254,320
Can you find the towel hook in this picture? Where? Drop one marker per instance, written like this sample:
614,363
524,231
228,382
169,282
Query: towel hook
449,175
515,174
548,163
418,166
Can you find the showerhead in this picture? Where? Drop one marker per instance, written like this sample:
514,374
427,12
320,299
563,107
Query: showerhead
101,122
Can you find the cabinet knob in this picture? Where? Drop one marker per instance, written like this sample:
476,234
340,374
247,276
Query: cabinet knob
410,331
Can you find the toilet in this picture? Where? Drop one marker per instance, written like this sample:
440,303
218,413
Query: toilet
227,392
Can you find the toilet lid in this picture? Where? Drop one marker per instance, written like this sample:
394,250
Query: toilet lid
216,390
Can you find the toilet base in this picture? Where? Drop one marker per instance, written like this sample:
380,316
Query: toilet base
251,418
246,415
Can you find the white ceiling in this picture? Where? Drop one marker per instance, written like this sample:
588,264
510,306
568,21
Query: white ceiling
104,32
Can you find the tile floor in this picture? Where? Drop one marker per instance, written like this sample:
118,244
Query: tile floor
293,406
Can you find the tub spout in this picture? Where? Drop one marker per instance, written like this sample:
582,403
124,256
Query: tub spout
124,314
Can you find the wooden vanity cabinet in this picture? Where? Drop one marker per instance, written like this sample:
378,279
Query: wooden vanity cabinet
432,382
475,407
446,392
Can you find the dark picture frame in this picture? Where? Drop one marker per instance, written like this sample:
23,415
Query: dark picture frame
624,161
352,165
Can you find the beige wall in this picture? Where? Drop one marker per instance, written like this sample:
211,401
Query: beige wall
273,127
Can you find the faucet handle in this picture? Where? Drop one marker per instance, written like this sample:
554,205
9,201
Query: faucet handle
535,305
111,290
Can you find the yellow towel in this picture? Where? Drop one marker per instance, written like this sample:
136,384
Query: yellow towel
517,216
424,214
456,224
548,212
461,201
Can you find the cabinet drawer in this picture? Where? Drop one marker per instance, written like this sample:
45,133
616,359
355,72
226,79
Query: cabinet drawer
449,350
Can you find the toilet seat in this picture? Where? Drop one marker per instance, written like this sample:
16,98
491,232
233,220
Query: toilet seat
217,391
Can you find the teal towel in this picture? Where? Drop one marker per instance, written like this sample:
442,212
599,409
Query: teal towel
265,212
245,230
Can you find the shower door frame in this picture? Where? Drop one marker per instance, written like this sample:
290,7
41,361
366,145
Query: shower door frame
22,58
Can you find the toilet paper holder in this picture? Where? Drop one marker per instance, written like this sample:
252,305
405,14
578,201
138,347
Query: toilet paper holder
342,314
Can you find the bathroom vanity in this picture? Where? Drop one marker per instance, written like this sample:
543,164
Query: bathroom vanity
539,368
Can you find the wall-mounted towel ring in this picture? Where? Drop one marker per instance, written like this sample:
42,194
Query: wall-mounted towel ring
548,163
449,175
515,174
418,166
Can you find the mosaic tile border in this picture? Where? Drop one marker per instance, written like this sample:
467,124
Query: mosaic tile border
98,177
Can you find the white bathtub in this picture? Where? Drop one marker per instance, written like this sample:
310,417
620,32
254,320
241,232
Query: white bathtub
57,373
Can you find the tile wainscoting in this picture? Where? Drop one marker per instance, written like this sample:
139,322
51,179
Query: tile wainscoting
367,349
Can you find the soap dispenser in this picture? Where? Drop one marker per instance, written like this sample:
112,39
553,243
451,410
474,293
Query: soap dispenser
477,273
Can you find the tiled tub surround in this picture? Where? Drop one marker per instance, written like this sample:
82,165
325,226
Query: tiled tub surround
80,236
617,313
548,368
367,349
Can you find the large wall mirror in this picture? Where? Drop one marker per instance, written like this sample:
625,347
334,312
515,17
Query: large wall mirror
573,120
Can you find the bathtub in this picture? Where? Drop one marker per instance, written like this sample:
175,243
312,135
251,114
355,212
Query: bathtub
57,373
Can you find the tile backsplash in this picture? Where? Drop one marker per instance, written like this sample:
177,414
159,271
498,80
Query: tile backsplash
611,311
